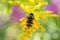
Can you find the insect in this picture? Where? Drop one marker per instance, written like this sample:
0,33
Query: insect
30,19
29,25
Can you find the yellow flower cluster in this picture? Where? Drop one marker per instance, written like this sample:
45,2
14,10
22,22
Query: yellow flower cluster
44,14
14,2
27,32
31,7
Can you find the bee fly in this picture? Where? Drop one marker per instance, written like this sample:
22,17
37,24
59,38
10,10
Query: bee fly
30,20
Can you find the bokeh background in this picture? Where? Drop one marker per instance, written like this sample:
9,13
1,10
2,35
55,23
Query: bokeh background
10,15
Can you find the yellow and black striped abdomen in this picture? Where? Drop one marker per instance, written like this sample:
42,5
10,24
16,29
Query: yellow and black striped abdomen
30,20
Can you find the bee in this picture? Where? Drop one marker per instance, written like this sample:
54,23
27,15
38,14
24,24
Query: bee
30,19
29,25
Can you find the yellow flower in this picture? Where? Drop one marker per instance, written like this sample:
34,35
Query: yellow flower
27,8
42,29
14,2
23,36
32,6
22,5
11,2
46,14
24,28
54,15
40,4
17,2
33,29
29,35
31,2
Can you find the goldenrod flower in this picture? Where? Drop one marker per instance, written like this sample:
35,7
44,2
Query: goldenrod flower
23,35
13,2
41,14
42,28
32,6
